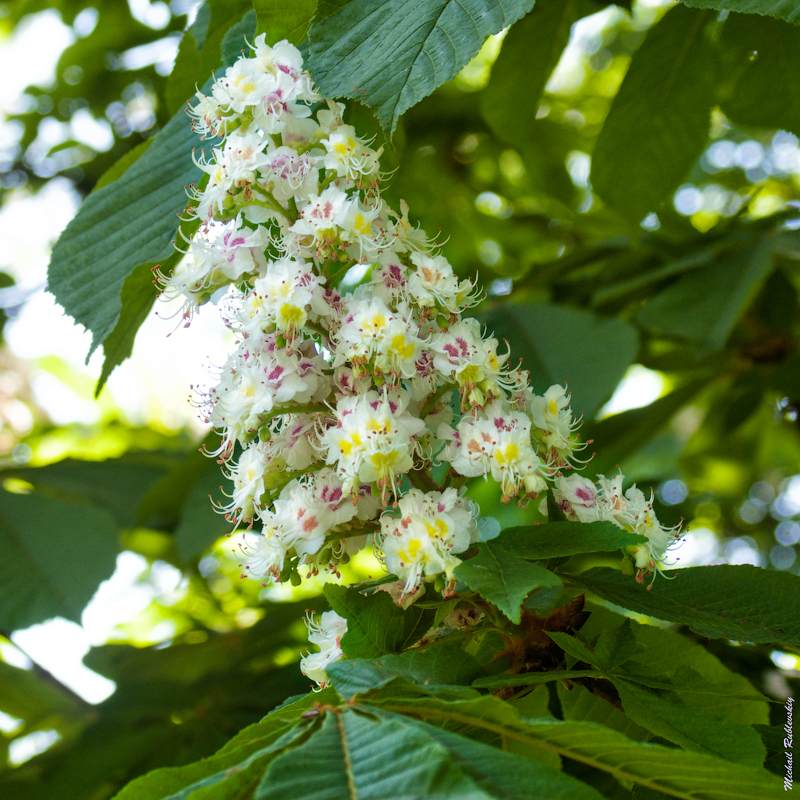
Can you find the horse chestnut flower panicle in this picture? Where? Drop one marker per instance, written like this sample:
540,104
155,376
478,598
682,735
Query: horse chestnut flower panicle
336,405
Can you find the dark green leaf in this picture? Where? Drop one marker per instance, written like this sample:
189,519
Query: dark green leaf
375,624
390,54
675,772
742,603
764,56
553,342
236,39
783,9
658,123
615,646
704,305
689,727
201,525
187,70
554,539
440,665
503,578
573,647
53,556
531,48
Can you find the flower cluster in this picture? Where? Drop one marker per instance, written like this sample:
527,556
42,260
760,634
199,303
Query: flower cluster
346,396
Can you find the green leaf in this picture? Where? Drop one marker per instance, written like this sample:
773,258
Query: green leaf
764,56
279,20
53,556
678,773
533,678
375,624
501,774
236,39
619,436
115,485
347,764
200,524
553,344
572,646
503,578
181,84
658,123
742,603
119,167
704,305
689,727
783,9
532,47
439,665
615,646
126,223
389,54
556,539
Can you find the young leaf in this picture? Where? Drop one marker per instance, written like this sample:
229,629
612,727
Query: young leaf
503,578
742,603
375,624
440,665
279,20
391,54
659,120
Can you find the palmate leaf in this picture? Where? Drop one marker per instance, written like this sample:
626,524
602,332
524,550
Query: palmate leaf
742,603
389,54
375,625
674,772
503,578
782,9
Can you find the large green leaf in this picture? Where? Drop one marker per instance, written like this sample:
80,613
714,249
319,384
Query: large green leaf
125,223
764,56
116,485
531,48
503,578
688,726
499,772
558,345
677,773
704,305
783,9
556,539
279,20
742,603
442,664
375,624
389,54
659,120
53,556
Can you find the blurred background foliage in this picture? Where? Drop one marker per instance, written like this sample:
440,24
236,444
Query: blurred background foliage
620,253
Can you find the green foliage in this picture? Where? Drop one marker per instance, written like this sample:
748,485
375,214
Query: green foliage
397,54
708,299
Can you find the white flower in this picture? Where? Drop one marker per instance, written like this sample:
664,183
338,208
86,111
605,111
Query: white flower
327,635
423,541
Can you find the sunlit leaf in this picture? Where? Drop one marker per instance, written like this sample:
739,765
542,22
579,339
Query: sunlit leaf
389,54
